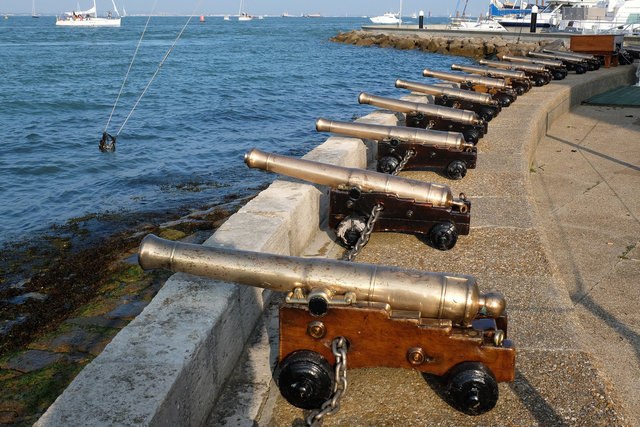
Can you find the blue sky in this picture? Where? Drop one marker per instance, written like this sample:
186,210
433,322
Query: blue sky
257,7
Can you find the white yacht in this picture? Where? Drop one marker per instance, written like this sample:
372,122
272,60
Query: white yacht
612,16
88,18
387,18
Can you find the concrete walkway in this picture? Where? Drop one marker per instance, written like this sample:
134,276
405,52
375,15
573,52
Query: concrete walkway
586,182
556,233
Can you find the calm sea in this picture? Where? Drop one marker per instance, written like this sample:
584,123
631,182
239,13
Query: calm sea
227,86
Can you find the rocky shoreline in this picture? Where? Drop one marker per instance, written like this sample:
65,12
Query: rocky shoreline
471,47
82,290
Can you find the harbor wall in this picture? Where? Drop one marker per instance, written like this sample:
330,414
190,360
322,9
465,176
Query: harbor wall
167,367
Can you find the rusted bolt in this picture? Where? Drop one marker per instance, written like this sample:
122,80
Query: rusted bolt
317,329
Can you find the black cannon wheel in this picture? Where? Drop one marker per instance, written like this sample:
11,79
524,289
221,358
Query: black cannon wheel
305,379
471,136
486,114
443,236
456,169
541,81
349,230
387,164
472,388
557,75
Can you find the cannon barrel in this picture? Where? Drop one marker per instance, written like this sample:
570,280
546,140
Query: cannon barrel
585,56
555,56
462,116
481,98
513,66
434,295
380,132
491,72
346,178
527,60
465,78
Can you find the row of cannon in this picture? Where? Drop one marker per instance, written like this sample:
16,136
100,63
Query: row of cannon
436,323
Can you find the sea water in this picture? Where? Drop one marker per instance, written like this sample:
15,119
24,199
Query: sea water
226,87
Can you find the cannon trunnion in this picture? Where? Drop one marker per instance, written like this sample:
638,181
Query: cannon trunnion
435,323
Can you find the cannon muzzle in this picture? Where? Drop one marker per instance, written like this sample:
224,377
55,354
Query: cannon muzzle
462,116
490,72
527,60
438,195
433,295
401,133
477,97
522,67
465,78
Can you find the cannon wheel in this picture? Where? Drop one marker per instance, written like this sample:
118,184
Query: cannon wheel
472,388
505,100
471,136
579,69
486,114
305,379
456,169
387,164
349,230
444,236
558,75
520,90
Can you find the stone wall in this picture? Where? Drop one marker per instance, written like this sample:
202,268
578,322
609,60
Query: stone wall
472,47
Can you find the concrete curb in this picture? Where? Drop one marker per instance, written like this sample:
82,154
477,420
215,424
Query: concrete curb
167,367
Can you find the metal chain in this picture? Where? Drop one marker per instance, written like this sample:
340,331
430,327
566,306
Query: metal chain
409,154
332,405
366,234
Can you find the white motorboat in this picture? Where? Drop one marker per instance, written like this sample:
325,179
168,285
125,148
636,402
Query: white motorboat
387,18
463,24
88,18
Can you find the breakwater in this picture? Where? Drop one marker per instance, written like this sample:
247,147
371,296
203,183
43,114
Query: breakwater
472,47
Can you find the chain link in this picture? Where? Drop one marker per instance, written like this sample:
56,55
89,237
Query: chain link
366,234
409,154
332,405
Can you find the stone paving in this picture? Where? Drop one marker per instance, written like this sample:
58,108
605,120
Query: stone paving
562,378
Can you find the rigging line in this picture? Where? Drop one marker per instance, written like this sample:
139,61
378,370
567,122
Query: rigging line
159,66
130,65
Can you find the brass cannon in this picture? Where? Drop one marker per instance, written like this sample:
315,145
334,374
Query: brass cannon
436,323
572,63
430,116
406,205
538,74
498,88
482,104
518,80
420,147
556,68
592,60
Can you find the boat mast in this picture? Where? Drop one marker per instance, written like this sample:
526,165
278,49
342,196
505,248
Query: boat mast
400,14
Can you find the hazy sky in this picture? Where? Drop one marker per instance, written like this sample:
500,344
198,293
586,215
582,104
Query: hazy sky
258,7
